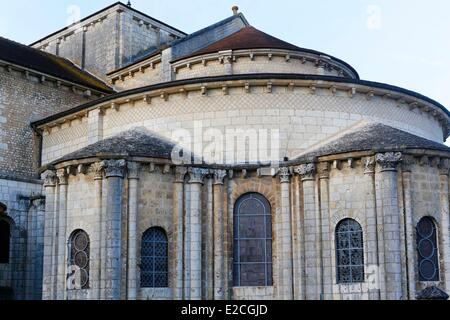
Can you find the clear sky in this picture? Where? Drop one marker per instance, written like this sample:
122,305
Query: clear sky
400,42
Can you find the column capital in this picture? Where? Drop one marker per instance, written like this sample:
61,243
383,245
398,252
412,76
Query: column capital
306,171
197,175
219,176
285,174
97,170
444,167
133,170
389,161
369,165
114,168
50,178
407,163
63,177
323,170
180,174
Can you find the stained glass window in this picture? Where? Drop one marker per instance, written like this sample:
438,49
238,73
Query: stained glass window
154,259
79,259
349,252
252,242
428,250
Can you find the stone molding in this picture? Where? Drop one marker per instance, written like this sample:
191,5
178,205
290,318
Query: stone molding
369,165
323,170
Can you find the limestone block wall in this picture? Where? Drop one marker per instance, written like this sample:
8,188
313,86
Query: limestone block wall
146,77
25,213
109,39
21,102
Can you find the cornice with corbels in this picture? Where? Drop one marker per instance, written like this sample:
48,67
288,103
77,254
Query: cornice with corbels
134,69
233,56
45,79
269,86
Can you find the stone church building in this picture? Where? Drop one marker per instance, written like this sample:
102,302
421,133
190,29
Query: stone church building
108,188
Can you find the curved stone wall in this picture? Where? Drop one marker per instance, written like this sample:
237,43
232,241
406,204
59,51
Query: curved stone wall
304,116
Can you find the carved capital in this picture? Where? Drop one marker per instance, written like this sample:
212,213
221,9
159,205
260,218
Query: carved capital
97,170
444,167
219,176
180,174
407,163
306,171
389,161
323,170
63,177
133,170
114,168
197,175
50,178
285,175
369,165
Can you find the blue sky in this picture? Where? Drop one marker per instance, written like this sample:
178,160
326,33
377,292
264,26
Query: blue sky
400,42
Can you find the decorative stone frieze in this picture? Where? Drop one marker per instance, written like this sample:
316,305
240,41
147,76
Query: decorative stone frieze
389,161
114,168
306,171
407,163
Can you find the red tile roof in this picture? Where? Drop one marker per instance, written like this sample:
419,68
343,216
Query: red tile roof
247,38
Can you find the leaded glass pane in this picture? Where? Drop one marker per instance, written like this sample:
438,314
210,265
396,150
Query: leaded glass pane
80,257
252,242
154,259
428,250
349,252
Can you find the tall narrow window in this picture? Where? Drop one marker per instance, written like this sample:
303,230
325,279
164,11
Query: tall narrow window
428,250
5,238
154,259
349,252
79,259
252,242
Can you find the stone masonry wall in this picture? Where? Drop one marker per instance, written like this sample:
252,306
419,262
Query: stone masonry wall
21,102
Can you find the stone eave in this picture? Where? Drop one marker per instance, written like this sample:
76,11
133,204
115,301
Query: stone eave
332,85
43,77
135,68
305,57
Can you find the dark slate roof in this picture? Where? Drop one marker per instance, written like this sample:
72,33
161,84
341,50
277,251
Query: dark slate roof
432,293
19,54
373,137
134,143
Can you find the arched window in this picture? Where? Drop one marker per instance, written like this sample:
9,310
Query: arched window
5,238
428,250
79,258
252,242
349,252
154,259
